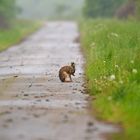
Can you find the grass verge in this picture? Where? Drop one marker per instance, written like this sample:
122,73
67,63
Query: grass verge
112,53
18,31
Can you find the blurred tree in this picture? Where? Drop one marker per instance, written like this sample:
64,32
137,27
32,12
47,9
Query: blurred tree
138,9
101,8
7,12
61,9
127,9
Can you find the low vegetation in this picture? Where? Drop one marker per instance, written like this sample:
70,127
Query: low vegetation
112,53
16,33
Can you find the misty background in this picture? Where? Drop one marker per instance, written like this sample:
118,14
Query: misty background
66,9
74,9
50,9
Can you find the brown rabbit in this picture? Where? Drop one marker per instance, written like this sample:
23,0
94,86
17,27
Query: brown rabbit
66,72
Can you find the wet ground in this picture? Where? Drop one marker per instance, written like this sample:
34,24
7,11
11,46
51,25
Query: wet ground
34,104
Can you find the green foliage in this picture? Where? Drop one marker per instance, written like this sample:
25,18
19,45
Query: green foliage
7,11
7,8
112,51
16,33
101,8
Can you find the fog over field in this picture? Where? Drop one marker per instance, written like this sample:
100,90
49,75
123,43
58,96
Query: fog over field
50,9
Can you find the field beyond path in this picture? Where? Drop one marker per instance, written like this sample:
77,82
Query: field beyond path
34,104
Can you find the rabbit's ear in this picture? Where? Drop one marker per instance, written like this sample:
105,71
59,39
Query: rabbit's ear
72,63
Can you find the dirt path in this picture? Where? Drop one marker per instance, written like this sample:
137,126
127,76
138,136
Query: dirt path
34,104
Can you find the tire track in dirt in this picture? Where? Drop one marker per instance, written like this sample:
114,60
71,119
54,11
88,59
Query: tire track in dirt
34,104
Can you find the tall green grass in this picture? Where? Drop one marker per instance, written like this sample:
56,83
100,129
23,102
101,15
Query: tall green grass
16,33
112,52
